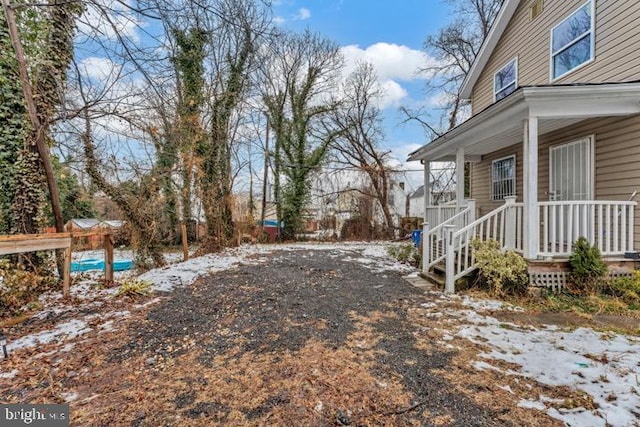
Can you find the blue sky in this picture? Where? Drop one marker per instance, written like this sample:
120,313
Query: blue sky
389,34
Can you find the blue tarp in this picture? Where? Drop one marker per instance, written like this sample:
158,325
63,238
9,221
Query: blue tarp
98,264
415,236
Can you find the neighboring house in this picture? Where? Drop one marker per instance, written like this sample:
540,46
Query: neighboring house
91,225
417,200
554,137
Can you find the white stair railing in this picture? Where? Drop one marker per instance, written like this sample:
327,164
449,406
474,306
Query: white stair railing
607,224
433,244
503,224
438,215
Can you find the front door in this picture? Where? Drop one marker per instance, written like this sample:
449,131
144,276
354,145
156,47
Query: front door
571,179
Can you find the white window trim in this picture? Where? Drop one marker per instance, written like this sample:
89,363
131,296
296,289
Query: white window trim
495,92
515,174
592,30
592,166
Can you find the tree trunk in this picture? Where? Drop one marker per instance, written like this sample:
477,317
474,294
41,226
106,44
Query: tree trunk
141,225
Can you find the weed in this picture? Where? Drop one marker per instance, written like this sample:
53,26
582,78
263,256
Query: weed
19,289
134,288
406,253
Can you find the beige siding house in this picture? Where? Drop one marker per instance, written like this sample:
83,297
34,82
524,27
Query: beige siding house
554,137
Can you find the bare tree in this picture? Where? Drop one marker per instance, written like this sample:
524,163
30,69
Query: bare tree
358,123
454,47
231,61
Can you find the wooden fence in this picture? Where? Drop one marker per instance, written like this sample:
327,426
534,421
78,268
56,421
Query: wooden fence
20,243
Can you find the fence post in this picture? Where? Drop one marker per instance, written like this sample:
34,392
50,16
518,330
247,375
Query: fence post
471,205
185,242
510,223
426,256
449,287
108,259
438,216
66,273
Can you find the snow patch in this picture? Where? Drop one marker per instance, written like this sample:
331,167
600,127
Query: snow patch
9,374
70,329
531,404
603,365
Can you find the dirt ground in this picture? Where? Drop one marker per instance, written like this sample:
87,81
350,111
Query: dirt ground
300,338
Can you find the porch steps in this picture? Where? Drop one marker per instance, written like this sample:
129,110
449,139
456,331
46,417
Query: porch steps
437,274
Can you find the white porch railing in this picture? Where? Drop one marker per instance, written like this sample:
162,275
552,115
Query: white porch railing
503,224
438,215
433,243
607,224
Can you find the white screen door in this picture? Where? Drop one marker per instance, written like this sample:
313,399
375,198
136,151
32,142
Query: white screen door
571,179
571,171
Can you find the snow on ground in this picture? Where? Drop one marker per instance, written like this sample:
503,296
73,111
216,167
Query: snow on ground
603,365
68,330
372,254
606,366
87,285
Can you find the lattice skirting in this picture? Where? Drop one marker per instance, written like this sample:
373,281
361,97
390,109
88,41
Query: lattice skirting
557,280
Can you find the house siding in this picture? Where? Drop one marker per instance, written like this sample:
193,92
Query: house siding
617,156
617,57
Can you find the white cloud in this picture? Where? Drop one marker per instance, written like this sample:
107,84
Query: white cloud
303,13
102,69
393,64
391,61
393,94
439,100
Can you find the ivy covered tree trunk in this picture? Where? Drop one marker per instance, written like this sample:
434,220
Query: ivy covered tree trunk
297,79
189,63
143,224
13,131
215,176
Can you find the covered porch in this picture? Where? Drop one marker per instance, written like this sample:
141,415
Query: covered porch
554,202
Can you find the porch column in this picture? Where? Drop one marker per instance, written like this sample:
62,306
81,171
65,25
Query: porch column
531,222
427,186
459,176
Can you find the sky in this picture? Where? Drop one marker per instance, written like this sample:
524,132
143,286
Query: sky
388,36
391,36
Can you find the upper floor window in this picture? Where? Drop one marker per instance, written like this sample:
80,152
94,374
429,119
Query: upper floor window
573,41
505,80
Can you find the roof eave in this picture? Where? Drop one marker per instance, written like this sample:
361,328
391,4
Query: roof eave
449,137
490,42
545,102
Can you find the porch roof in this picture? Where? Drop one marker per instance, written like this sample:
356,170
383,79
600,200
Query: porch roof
556,106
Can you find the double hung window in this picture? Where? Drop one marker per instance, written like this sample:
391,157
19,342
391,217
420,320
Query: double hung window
573,41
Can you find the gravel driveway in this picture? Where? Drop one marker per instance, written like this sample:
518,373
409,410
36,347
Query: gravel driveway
299,337
333,316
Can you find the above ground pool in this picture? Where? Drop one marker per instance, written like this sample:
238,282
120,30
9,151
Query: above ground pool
98,264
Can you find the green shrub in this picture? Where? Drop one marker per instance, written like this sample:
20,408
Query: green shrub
587,268
19,288
134,288
501,272
406,253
